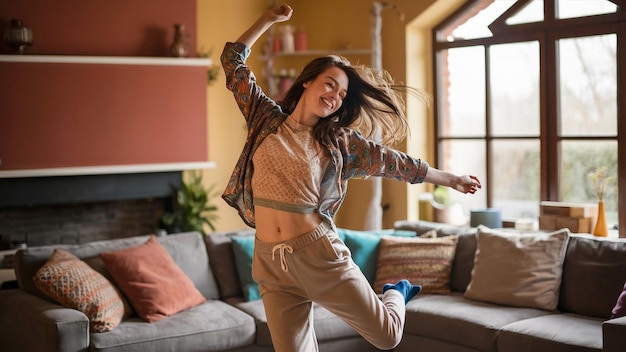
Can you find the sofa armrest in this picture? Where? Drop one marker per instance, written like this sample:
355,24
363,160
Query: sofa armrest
30,323
614,334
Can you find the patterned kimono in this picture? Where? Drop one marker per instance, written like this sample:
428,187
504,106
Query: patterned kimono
352,155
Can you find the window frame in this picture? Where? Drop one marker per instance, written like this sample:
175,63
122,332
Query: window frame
546,33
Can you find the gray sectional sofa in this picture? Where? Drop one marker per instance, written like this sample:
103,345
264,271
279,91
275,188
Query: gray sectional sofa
594,272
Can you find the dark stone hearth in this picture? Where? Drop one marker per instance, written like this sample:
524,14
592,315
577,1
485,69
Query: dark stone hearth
79,223
38,211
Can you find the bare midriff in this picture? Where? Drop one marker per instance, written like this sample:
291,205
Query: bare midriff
274,225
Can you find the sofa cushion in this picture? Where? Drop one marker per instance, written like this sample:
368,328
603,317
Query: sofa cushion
422,261
463,263
515,269
620,307
327,325
222,261
186,249
243,249
464,322
212,326
594,273
363,246
554,333
151,280
73,284
421,226
465,249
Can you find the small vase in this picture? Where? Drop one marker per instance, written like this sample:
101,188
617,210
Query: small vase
601,230
18,37
179,47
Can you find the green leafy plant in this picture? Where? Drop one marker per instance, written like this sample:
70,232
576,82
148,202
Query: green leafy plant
193,208
213,70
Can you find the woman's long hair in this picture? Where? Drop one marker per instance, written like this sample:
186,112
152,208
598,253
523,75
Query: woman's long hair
373,105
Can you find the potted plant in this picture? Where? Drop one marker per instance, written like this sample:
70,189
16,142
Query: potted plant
192,207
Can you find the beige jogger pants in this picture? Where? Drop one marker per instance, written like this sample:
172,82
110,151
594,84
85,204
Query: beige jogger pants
317,267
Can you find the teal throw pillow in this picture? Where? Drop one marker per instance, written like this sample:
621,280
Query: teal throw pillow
364,248
243,249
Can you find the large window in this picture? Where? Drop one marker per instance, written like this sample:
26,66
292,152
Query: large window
528,95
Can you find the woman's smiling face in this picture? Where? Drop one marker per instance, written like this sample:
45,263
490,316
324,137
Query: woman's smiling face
326,92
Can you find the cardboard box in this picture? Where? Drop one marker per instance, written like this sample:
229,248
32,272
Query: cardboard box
548,222
571,210
577,225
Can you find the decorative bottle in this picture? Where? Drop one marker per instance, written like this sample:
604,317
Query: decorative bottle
179,47
601,230
18,37
287,42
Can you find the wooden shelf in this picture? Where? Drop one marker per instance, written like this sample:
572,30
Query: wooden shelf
108,169
108,60
325,52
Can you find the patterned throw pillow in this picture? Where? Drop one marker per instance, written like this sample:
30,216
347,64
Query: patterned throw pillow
74,284
422,261
152,281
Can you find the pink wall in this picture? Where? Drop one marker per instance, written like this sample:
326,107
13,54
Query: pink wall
63,115
66,115
101,27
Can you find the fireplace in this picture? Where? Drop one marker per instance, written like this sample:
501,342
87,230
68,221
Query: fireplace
37,211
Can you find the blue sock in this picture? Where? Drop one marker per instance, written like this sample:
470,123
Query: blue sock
405,288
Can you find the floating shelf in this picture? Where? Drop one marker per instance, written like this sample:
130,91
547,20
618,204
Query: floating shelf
325,52
108,60
109,169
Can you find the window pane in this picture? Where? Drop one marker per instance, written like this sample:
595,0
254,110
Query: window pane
476,26
588,85
578,160
532,12
514,78
581,8
463,104
466,157
515,178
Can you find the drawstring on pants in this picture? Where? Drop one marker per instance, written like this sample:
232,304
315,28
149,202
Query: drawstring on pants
282,247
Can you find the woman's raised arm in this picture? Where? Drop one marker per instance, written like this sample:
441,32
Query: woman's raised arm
280,13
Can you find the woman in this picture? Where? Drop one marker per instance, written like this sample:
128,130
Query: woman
291,179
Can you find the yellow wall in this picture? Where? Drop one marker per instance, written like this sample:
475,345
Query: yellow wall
330,24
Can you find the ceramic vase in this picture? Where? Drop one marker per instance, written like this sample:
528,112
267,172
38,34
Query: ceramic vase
18,37
601,230
179,47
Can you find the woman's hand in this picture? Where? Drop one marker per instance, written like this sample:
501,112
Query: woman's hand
463,184
467,184
280,13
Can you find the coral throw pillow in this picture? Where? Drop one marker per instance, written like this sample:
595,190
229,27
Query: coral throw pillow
422,261
74,284
152,281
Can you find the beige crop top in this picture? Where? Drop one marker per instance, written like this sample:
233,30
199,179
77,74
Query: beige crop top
288,169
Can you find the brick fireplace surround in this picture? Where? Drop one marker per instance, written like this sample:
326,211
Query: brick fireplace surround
78,209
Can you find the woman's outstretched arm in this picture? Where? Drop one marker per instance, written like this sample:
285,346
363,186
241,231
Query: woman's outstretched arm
463,183
280,13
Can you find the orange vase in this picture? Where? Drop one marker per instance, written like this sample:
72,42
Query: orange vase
601,229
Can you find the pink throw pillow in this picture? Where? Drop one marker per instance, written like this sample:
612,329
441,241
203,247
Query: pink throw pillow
154,284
